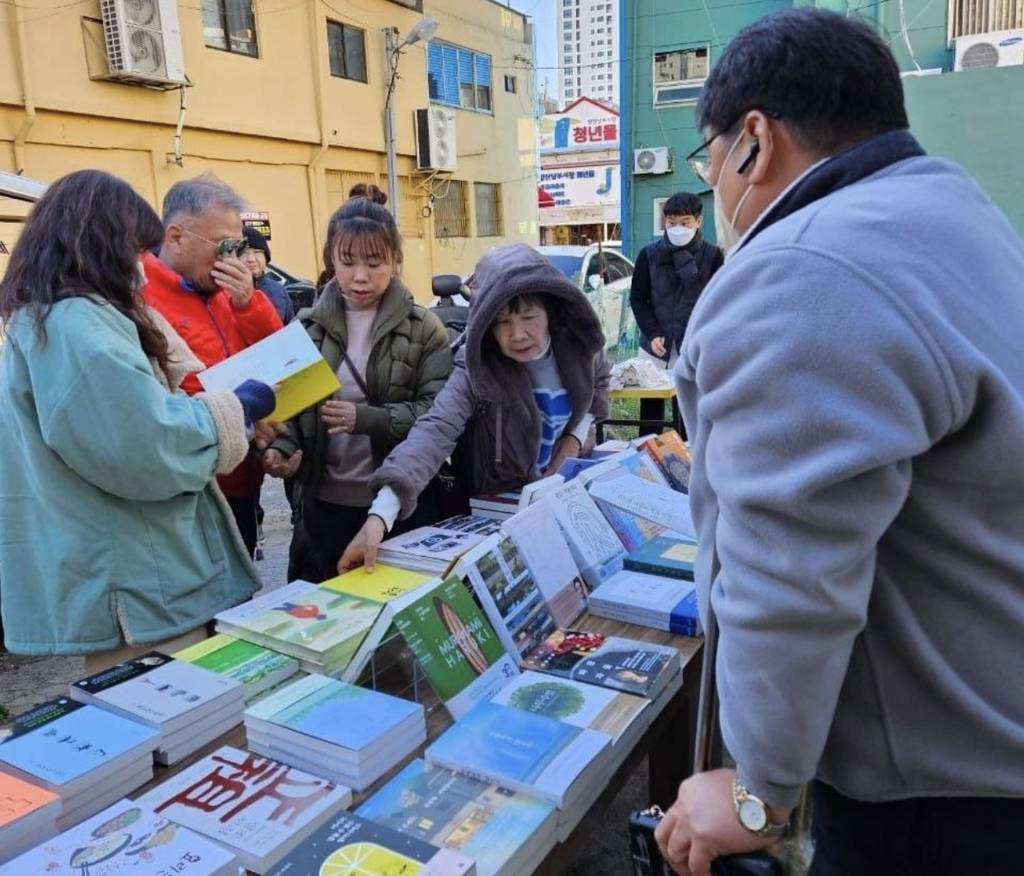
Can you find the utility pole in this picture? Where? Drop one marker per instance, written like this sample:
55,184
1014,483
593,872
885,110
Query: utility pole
391,50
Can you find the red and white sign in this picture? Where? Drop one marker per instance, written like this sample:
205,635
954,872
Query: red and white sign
583,125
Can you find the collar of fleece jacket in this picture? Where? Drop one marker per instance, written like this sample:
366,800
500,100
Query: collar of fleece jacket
500,276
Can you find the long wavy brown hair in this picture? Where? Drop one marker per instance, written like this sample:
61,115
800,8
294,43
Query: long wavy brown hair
83,240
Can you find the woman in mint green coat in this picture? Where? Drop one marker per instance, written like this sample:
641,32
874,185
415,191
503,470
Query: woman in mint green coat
112,530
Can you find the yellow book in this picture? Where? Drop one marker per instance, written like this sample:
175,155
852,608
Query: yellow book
382,585
288,360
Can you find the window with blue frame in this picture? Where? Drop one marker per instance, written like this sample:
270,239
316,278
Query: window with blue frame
459,77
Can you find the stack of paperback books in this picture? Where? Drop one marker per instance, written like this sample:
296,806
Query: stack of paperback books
189,706
258,669
327,727
126,838
506,832
497,506
654,601
257,808
348,845
28,816
87,756
429,549
318,626
567,766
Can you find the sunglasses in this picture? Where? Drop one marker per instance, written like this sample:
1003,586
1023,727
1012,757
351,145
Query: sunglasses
227,246
699,160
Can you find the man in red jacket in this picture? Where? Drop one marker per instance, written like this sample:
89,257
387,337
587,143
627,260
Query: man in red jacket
198,282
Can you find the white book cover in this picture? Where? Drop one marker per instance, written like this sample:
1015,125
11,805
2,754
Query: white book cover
158,690
542,546
661,505
533,492
256,807
438,546
582,705
125,839
594,544
644,592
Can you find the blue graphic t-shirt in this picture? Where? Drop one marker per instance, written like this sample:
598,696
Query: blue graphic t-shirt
553,404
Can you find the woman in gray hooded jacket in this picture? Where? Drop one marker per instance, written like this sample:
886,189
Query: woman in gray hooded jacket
530,380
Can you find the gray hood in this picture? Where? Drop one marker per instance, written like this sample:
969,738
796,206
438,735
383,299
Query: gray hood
503,274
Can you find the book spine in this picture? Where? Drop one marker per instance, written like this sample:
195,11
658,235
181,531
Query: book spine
649,568
683,625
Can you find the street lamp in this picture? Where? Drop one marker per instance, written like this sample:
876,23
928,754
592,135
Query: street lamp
424,29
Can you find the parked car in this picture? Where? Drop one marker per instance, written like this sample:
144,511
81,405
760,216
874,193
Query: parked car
605,276
302,292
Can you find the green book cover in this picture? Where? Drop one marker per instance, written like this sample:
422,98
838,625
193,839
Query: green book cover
451,637
236,658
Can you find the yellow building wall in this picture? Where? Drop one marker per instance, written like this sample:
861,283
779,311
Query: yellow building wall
290,137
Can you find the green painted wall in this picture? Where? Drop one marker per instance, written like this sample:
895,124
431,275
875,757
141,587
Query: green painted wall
973,117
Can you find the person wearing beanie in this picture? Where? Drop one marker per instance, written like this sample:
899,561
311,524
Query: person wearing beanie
256,258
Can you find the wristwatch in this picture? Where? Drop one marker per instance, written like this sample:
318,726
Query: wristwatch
752,813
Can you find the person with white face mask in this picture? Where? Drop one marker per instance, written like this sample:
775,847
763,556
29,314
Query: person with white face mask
854,387
670,275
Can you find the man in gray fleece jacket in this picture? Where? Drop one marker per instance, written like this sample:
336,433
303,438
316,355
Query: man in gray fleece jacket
853,383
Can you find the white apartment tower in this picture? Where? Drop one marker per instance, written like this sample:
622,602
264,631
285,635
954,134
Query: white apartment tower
588,50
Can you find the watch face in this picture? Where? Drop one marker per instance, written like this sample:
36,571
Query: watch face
753,815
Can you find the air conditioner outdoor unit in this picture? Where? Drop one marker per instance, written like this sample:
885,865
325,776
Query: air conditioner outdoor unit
1002,48
143,41
435,139
657,159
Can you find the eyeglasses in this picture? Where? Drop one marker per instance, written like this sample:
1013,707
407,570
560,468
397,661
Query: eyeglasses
225,247
699,160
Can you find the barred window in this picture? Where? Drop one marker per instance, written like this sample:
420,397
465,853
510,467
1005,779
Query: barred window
487,198
969,17
451,211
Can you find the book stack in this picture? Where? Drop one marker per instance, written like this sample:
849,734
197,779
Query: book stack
532,753
456,646
126,838
257,808
428,549
624,717
28,816
654,601
506,832
187,705
86,756
628,665
495,505
648,501
258,669
319,627
390,588
348,845
327,727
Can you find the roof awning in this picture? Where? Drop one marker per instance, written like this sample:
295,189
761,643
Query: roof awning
21,187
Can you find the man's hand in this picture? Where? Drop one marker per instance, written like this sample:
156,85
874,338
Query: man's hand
277,465
266,433
338,416
658,346
567,447
234,278
702,825
362,550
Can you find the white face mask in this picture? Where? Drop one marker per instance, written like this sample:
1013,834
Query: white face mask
725,229
680,235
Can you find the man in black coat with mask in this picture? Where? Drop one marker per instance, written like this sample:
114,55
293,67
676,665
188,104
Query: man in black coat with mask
669,276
